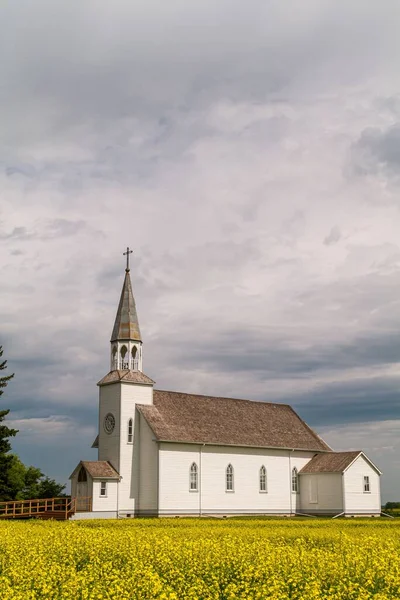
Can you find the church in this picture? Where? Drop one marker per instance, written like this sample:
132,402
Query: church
164,453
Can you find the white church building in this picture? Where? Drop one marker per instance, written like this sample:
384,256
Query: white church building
164,453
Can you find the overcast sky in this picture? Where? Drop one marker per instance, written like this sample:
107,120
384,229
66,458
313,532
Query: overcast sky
249,153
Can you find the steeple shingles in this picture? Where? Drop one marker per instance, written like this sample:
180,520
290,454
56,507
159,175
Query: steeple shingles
126,326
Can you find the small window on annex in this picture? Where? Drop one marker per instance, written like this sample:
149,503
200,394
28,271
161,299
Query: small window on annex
103,488
193,478
295,481
367,487
263,479
130,431
229,479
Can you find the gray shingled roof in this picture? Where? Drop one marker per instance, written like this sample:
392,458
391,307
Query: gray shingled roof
334,462
100,469
126,326
126,376
178,417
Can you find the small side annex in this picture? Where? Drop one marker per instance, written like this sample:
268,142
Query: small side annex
94,485
336,483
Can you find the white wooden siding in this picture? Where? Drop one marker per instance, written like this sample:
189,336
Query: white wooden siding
121,399
105,503
85,516
212,497
328,487
131,394
174,468
356,500
148,469
109,401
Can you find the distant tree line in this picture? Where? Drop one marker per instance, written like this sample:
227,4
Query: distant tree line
392,505
17,481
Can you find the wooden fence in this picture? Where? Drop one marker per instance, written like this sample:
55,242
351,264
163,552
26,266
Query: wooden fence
46,508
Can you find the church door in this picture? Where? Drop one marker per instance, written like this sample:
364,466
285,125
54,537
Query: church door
82,493
313,490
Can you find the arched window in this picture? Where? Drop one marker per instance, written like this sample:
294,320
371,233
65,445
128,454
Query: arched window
82,477
124,364
193,478
130,431
114,358
295,480
229,479
263,479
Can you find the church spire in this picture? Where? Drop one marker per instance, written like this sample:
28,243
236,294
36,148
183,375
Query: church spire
126,340
126,326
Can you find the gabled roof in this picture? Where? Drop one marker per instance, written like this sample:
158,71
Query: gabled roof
126,326
334,462
98,469
178,417
96,442
127,376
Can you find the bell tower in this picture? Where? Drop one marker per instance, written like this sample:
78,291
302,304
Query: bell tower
126,340
120,391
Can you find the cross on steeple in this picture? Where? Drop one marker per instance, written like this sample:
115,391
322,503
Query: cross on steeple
127,253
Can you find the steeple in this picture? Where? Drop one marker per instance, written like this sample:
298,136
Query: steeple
126,326
126,340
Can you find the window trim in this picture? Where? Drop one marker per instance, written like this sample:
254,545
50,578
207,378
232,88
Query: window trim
130,431
103,486
366,484
230,477
262,475
194,472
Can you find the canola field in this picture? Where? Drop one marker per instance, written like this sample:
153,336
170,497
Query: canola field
175,559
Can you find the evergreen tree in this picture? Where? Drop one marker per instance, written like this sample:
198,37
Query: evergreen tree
5,433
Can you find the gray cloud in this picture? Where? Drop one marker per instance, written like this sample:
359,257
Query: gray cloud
377,150
271,358
18,233
64,227
333,237
133,63
375,399
55,228
25,170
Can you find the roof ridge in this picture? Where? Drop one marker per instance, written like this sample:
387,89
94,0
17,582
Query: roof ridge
224,398
346,451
